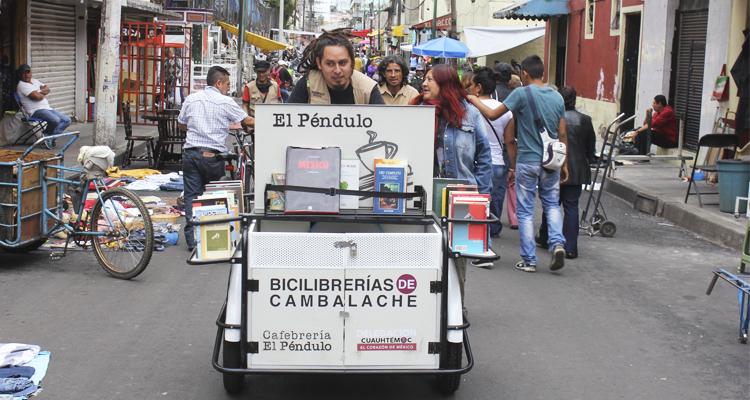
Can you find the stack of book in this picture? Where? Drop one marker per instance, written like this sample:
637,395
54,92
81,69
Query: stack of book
222,199
465,203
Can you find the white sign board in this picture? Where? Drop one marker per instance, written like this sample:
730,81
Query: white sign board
362,132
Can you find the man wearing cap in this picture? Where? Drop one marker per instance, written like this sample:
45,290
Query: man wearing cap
33,96
418,79
502,89
260,90
206,116
393,76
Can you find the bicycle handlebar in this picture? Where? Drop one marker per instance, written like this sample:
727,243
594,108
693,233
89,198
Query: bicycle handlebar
53,137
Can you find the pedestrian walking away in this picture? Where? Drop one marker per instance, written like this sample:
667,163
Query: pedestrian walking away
526,170
581,148
483,86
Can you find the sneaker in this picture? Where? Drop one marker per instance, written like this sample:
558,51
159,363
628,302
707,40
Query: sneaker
482,263
526,267
49,144
558,258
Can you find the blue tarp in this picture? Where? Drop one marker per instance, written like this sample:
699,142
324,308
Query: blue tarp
534,9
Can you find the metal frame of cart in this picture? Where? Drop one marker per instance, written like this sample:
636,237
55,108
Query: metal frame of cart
233,333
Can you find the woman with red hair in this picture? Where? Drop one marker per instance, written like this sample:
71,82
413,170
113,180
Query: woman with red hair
462,150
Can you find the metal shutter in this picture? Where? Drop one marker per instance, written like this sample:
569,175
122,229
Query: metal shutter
53,52
691,54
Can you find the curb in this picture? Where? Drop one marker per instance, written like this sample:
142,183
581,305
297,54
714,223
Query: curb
678,214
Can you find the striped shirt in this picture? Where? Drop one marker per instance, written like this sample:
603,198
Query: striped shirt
207,115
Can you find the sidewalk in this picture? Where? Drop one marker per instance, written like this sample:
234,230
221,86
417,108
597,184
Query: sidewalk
655,188
86,138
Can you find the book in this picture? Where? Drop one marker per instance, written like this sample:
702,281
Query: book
446,195
390,178
227,199
215,240
198,213
320,168
349,181
438,184
276,198
469,237
235,186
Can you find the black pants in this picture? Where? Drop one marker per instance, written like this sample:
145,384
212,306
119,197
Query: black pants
569,196
657,138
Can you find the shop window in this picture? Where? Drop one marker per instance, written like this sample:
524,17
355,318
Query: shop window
590,9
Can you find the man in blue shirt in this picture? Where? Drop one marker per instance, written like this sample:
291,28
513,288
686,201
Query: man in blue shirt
525,161
206,116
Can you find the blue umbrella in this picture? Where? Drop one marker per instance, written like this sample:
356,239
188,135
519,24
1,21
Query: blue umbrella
442,47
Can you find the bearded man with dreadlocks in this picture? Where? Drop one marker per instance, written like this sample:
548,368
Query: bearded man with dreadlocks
330,77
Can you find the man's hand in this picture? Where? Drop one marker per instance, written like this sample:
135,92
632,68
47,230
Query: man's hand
44,90
564,174
511,178
249,121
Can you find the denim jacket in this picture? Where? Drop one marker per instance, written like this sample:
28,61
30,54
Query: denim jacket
467,151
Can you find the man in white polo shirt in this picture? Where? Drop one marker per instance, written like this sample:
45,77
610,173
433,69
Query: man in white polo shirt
33,96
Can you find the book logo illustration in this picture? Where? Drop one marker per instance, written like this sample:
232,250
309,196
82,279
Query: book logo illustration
369,152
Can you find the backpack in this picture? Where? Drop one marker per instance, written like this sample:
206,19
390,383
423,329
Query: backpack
275,76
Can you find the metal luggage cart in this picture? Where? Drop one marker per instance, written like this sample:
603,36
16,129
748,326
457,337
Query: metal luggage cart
598,222
348,293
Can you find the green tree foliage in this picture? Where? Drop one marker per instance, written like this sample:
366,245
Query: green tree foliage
288,10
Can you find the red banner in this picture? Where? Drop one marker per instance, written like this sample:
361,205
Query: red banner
443,22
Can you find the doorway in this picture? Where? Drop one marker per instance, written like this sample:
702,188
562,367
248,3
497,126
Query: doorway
630,67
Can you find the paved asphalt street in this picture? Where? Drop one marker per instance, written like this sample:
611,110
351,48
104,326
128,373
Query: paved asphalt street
628,319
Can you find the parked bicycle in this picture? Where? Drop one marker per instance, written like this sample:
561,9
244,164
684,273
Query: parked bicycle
240,164
117,226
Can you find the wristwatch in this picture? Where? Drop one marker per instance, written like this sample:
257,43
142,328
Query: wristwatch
511,169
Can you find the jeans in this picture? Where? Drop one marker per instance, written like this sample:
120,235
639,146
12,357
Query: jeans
197,171
569,196
56,121
528,177
284,95
499,186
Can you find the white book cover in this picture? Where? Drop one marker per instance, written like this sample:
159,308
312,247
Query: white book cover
349,181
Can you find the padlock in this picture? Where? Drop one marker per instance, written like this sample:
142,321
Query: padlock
352,249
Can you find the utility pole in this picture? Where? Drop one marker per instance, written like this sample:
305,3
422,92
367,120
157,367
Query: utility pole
281,22
107,75
379,42
240,46
434,19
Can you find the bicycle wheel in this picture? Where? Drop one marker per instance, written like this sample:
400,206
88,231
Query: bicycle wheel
126,248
